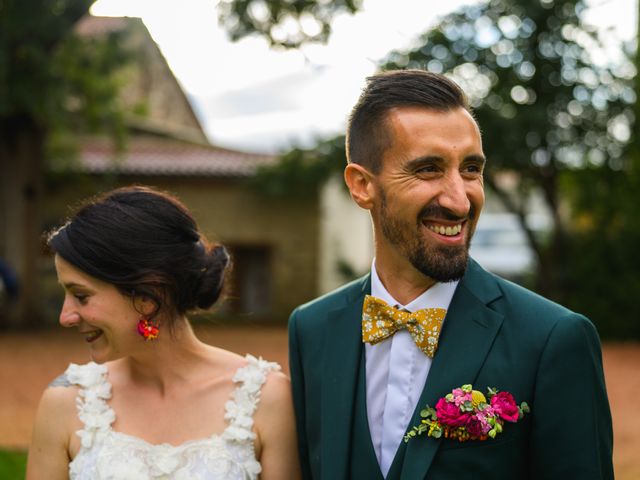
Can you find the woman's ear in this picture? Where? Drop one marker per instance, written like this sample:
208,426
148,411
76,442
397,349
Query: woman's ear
361,185
145,306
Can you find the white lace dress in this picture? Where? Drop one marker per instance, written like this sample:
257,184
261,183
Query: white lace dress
109,455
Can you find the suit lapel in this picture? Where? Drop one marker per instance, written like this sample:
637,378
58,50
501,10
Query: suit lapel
467,335
341,362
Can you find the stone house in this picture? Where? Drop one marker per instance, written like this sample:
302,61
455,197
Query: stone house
275,244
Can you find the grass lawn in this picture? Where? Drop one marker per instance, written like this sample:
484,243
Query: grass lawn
12,465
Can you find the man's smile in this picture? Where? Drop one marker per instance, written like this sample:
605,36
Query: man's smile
446,230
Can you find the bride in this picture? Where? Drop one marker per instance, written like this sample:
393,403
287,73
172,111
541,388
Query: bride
155,402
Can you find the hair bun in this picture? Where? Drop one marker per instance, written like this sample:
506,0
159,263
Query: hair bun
216,260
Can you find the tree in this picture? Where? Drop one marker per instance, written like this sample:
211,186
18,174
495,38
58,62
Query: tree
300,172
548,106
556,116
283,23
53,83
30,98
605,264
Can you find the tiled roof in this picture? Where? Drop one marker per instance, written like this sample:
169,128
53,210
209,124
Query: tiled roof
162,156
95,26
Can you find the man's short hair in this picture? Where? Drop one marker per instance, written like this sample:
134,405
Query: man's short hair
367,134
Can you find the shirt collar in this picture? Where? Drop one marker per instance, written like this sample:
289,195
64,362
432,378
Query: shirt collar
438,296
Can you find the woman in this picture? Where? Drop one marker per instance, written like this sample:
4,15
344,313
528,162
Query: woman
155,402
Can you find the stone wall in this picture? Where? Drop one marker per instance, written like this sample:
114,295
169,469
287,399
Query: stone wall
229,212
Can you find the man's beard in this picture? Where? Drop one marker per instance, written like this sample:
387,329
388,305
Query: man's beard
442,263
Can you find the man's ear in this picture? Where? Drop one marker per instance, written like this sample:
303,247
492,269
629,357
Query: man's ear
361,185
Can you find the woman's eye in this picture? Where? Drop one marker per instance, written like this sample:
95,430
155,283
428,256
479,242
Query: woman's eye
82,299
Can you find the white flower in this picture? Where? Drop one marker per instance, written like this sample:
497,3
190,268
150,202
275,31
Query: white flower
86,375
253,467
251,377
86,438
245,421
128,467
163,461
238,433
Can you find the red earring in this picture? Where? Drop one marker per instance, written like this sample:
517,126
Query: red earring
147,329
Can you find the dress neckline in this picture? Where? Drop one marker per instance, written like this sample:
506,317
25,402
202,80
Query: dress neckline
166,445
97,415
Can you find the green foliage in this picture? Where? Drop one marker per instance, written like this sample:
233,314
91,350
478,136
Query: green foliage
559,117
300,173
543,103
554,112
64,82
30,33
87,94
284,23
604,264
530,70
13,465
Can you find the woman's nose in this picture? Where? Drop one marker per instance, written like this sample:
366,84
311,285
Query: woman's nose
68,315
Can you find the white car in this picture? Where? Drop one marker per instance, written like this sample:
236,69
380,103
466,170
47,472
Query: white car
500,245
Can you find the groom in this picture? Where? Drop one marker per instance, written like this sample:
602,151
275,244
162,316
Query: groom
415,161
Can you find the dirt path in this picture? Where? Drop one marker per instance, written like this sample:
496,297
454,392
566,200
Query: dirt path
28,362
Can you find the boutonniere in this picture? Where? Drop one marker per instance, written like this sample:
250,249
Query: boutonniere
466,414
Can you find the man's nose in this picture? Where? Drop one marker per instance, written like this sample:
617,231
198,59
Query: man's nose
454,195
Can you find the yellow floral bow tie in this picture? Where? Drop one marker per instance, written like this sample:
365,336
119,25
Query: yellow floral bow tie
380,321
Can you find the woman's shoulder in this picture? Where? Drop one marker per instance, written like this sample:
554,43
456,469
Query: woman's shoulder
57,407
252,362
252,373
260,375
231,362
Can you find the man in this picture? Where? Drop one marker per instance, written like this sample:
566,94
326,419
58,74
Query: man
415,161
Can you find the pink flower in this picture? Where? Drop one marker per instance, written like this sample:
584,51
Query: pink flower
450,414
478,426
505,406
464,414
460,397
474,428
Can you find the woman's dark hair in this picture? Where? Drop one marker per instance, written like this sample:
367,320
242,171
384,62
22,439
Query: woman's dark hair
145,243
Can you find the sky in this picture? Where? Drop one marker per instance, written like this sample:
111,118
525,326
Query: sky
254,98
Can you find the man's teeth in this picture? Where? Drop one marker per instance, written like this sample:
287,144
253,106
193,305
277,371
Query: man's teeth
449,231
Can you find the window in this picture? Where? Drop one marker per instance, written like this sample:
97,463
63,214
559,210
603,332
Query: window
251,280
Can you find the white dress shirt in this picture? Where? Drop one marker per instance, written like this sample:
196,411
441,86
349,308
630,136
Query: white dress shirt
396,371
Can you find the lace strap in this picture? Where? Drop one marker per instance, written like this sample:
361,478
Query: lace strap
244,400
93,410
61,381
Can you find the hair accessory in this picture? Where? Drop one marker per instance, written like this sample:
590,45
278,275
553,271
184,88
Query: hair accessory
147,329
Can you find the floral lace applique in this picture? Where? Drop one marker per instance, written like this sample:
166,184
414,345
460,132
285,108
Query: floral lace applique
106,454
93,410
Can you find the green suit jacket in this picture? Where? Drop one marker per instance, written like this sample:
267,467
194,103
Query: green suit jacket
495,334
